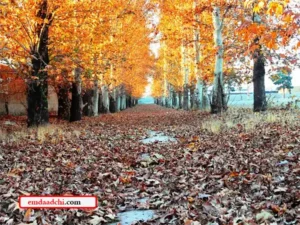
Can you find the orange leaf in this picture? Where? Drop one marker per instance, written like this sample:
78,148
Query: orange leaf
190,199
125,180
234,174
191,145
188,222
27,215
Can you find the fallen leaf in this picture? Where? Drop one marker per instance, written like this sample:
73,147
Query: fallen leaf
27,215
97,220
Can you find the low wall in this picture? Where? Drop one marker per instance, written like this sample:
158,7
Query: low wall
18,106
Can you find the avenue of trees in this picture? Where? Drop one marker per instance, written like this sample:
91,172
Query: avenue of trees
95,53
208,42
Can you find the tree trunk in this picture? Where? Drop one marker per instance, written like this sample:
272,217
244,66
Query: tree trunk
123,101
205,101
37,89
64,103
185,73
113,99
134,101
87,100
112,104
6,108
118,99
76,103
170,96
218,103
95,103
174,99
105,99
100,103
163,101
180,100
218,99
37,101
192,97
260,103
185,97
130,101
198,95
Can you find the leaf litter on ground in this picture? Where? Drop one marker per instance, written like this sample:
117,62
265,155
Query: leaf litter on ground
213,174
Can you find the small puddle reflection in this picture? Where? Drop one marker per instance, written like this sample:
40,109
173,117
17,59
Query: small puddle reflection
130,217
155,136
144,157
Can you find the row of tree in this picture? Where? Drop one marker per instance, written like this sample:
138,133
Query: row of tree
95,51
213,41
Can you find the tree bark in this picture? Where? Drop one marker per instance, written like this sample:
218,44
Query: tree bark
123,101
180,100
64,103
100,103
205,101
199,94
185,74
174,99
6,108
170,96
95,103
134,101
186,97
192,97
76,102
260,103
118,99
105,99
129,105
218,103
112,104
87,100
128,102
37,89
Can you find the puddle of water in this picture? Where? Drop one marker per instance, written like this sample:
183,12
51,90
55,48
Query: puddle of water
142,200
157,137
130,217
145,157
152,133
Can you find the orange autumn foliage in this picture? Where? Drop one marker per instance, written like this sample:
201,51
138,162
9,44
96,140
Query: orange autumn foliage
277,28
109,40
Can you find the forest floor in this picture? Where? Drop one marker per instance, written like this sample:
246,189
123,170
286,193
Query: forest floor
235,168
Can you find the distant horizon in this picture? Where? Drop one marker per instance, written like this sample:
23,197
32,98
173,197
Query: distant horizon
146,100
268,83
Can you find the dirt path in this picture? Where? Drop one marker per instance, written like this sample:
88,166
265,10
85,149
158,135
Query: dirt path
203,174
